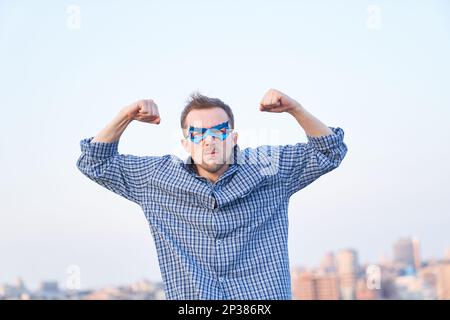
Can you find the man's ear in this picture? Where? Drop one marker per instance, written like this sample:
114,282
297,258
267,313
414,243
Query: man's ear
184,143
235,137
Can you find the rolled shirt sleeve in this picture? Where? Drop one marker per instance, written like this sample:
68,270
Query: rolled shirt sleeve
302,163
125,175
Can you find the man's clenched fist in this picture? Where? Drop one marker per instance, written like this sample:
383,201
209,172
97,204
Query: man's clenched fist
143,110
276,101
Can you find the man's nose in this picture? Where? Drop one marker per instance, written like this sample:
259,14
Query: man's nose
208,139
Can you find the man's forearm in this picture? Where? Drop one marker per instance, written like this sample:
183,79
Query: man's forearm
141,110
276,101
113,131
313,127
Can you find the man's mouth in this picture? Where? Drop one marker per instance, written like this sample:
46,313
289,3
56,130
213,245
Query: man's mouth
210,152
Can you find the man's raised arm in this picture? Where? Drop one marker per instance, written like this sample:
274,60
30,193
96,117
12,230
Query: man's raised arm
124,174
302,163
142,110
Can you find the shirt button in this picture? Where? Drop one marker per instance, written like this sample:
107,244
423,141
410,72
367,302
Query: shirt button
221,279
219,242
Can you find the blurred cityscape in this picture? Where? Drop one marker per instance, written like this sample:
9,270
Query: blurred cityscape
50,290
340,276
405,277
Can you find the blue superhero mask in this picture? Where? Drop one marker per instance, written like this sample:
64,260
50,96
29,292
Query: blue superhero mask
220,131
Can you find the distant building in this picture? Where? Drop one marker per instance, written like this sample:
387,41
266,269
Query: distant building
328,264
303,287
314,286
15,291
431,282
407,254
348,271
49,290
108,293
327,287
447,254
428,276
363,292
409,287
443,280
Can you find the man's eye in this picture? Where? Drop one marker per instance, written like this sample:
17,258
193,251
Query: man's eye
196,134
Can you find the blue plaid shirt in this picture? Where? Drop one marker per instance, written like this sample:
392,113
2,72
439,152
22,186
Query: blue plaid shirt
222,240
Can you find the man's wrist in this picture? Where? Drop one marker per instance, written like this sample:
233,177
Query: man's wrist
297,110
125,114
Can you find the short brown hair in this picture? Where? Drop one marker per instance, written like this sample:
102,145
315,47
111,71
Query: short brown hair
198,101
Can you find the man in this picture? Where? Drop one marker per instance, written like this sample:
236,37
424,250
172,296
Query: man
220,218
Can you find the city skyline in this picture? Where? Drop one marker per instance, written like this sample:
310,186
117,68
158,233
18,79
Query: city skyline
343,264
407,276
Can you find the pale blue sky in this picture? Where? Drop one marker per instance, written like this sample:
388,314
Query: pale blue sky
386,87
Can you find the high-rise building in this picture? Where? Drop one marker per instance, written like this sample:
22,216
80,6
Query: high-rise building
328,264
427,275
327,287
308,285
417,255
443,280
303,287
447,254
348,270
407,253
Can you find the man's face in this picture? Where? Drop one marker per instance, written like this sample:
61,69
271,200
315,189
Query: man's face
211,154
